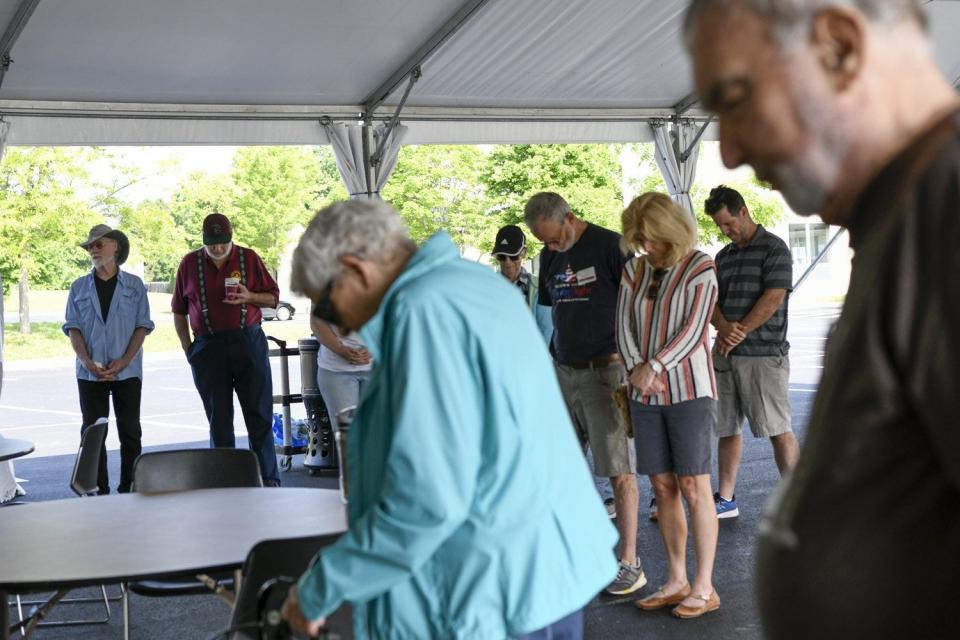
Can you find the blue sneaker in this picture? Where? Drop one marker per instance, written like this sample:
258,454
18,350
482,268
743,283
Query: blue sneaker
726,508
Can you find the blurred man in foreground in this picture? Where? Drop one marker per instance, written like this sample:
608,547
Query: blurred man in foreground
840,105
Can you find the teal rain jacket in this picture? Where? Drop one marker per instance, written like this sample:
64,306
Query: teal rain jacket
472,513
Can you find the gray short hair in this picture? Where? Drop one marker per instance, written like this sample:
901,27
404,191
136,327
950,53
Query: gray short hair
369,229
791,18
545,204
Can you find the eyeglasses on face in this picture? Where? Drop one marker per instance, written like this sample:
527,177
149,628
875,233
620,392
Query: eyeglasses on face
503,258
323,306
654,289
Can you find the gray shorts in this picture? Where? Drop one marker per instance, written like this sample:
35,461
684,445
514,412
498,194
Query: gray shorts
755,388
676,438
589,397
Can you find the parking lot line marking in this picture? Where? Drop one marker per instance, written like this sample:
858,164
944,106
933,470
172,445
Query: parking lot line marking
32,410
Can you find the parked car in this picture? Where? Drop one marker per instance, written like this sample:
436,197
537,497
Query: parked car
284,311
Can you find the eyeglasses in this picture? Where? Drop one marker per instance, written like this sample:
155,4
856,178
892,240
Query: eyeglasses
654,289
323,307
503,258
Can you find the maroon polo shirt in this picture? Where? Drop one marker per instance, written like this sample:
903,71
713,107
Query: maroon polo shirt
223,317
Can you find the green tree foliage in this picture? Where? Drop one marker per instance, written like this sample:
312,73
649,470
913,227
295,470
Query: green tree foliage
329,187
198,195
275,190
437,187
44,216
155,238
588,176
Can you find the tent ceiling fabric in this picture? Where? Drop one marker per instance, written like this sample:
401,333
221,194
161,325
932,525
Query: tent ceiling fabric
252,72
591,54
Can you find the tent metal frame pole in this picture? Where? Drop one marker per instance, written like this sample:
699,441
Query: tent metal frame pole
696,139
818,259
395,120
367,165
463,15
9,38
689,102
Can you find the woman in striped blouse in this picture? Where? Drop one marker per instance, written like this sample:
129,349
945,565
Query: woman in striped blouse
666,298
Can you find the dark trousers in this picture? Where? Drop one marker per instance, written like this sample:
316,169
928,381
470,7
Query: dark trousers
237,360
569,628
95,403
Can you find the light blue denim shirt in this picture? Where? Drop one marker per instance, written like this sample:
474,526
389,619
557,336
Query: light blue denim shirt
472,512
129,309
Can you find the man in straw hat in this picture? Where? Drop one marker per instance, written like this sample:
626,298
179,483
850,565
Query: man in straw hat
107,318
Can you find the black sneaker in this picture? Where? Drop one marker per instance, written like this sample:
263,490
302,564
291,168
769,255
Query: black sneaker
611,507
653,509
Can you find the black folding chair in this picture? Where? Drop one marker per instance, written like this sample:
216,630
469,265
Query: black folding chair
83,482
184,470
187,469
269,559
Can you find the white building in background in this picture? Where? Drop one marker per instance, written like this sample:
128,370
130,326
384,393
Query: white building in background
807,237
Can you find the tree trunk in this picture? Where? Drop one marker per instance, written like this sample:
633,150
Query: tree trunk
24,289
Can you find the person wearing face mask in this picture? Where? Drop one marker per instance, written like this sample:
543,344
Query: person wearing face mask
219,291
107,318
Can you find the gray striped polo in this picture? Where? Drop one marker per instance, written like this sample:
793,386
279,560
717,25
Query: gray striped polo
743,274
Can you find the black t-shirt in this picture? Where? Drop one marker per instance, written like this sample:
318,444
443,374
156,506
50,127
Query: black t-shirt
105,289
582,286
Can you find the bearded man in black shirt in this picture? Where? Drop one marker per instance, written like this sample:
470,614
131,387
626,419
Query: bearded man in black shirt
580,270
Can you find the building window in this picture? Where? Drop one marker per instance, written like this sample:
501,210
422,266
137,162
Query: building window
807,240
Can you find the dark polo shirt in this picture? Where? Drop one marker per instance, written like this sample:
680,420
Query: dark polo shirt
223,317
743,274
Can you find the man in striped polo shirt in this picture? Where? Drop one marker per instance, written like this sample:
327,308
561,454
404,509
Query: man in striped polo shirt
755,276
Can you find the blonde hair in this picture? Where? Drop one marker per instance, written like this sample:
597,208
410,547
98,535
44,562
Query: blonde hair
654,216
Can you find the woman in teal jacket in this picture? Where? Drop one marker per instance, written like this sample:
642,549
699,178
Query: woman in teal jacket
472,513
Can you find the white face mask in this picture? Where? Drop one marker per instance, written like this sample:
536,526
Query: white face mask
219,256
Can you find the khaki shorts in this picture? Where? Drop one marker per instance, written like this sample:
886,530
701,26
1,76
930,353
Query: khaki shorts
755,388
589,397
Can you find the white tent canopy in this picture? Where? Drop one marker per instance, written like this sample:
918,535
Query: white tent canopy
253,72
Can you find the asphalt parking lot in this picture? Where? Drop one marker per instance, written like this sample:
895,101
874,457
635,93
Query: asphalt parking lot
40,403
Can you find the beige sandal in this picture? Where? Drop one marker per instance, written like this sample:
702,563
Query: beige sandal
710,603
659,599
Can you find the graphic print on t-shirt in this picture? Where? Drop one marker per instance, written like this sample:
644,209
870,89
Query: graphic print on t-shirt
572,286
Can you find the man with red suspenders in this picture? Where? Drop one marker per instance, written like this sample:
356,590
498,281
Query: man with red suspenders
220,289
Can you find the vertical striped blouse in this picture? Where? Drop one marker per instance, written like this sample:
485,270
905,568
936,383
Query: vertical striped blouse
667,325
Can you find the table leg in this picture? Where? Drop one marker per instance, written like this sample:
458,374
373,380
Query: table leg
4,616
